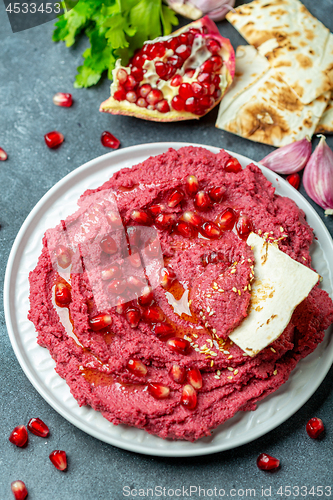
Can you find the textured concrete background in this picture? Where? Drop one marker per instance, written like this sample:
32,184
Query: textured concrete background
32,69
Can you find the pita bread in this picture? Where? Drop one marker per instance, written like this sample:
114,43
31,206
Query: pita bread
261,107
280,284
325,125
293,41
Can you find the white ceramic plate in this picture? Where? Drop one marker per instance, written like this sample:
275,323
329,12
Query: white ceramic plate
38,365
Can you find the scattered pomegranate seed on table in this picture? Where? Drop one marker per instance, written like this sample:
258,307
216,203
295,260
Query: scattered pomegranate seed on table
266,462
19,436
3,155
53,139
109,141
62,99
19,490
315,428
294,180
59,459
38,427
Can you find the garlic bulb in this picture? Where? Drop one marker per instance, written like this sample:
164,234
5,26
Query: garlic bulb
318,176
194,9
290,158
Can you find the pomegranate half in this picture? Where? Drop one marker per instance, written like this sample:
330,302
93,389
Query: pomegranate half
177,77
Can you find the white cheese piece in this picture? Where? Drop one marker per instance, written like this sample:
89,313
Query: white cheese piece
280,284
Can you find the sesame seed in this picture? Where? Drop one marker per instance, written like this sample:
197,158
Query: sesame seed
235,372
226,352
195,335
230,357
200,313
208,295
208,309
303,258
275,372
230,378
230,369
249,286
213,353
233,271
197,349
245,288
220,290
234,289
216,376
271,232
244,354
190,302
218,372
211,313
273,349
260,231
239,292
212,363
204,346
206,324
214,330
281,229
231,342
215,284
204,317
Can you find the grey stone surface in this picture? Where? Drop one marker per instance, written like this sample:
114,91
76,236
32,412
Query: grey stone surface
32,69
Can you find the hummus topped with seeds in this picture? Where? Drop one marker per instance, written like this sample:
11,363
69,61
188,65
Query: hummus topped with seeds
137,293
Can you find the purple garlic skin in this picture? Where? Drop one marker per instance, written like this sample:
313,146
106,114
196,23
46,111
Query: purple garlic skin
290,158
318,176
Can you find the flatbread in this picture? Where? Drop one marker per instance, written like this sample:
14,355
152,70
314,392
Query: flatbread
280,284
293,41
325,125
261,107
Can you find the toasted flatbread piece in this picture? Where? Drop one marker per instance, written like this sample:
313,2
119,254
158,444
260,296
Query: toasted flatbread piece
325,125
293,41
261,107
280,284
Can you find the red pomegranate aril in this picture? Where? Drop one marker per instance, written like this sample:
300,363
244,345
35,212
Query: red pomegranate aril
175,198
100,321
213,45
161,69
217,193
216,81
137,367
294,180
217,62
64,257
62,99
108,245
135,259
186,91
133,316
179,345
171,72
198,89
122,306
131,96
177,373
192,185
141,217
192,218
209,88
173,43
211,230
217,94
178,103
158,391
189,397
38,427
157,209
19,490
19,436
176,81
185,229
144,90
122,76
157,50
315,427
195,31
205,77
154,97
163,106
139,60
109,140
168,276
63,296
111,272
227,219
207,66
165,221
59,459
3,155
153,314
266,462
186,38
153,249
202,201
189,72
146,296
206,102
117,286
163,330
137,73
120,94
130,83
194,378
114,219
244,226
191,105
134,236
175,61
134,283
183,51
53,139
141,102
233,165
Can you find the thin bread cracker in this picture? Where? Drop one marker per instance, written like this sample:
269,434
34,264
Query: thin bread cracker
280,284
293,41
325,125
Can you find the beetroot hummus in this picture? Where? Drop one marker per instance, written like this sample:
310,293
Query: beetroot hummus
136,293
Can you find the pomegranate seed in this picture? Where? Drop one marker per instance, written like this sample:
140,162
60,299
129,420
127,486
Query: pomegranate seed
191,105
122,75
120,94
186,91
217,193
206,102
173,43
189,72
183,51
165,221
134,258
205,78
137,367
194,378
199,89
186,38
177,373
179,345
130,83
176,81
192,185
141,102
178,103
209,88
227,219
109,141
154,97
266,462
211,230
111,272
122,306
195,31
59,459
244,226
189,397
141,217
168,276
19,436
144,90
192,218
37,427
217,94
63,296
171,72
100,321
131,96
157,209
114,219
163,330
133,316
217,62
134,283
152,314
137,73
233,165
207,66
175,198
157,50
176,61
161,69
202,201
185,229
213,45
294,180
62,99
163,106
64,257
146,297
153,249
134,236
108,245
53,139
19,490
216,81
3,155
117,286
158,391
315,427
